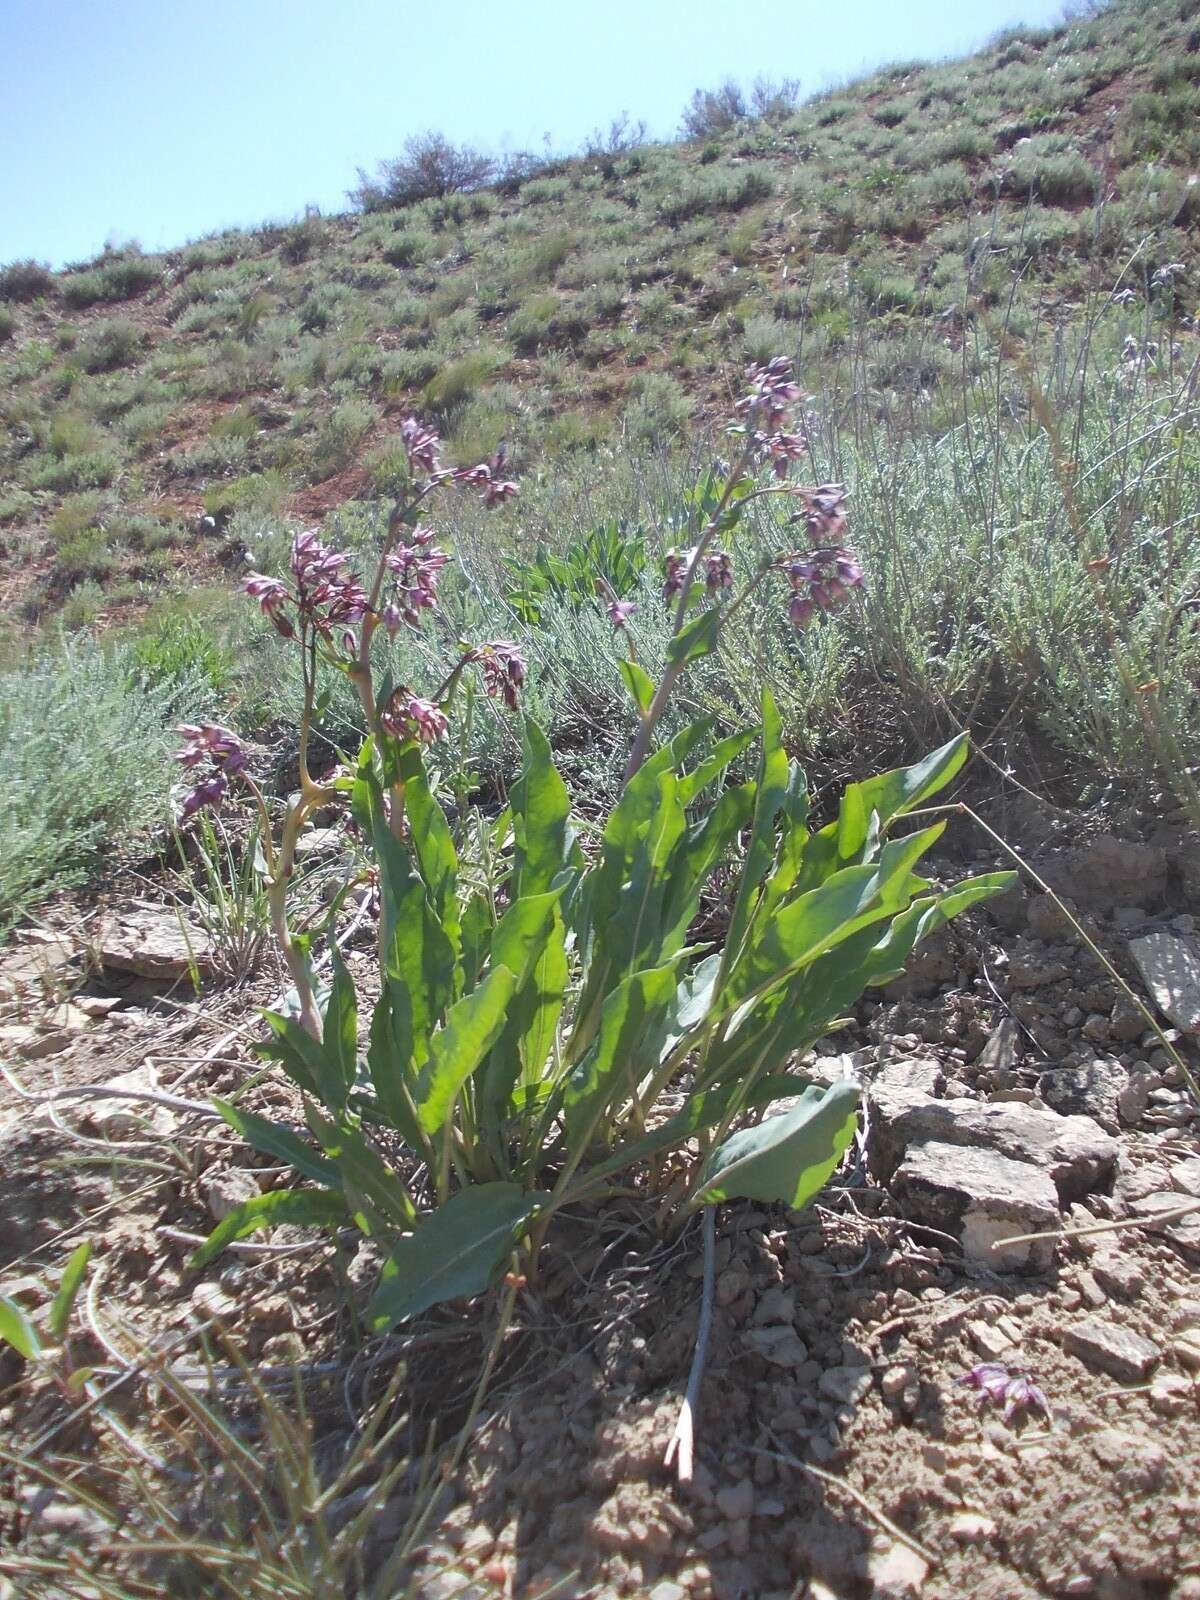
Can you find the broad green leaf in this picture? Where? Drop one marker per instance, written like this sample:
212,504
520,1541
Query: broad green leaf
472,1026
477,925
893,793
543,842
769,796
340,1032
524,1047
64,1301
454,1253
301,1057
787,1158
432,843
633,1028
695,639
693,783
17,1330
316,1208
273,1140
639,683
853,823
364,1175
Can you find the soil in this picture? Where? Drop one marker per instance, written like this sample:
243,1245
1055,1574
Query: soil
838,1451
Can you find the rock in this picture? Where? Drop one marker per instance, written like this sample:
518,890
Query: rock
226,1188
736,1500
1117,1274
982,1196
32,1044
123,1119
97,1006
971,1527
896,1572
780,1345
152,942
1170,967
668,1589
37,967
1093,1090
990,1342
1134,1098
1076,1154
1120,1352
896,1381
1110,872
1184,1232
1186,1350
1185,1177
846,1385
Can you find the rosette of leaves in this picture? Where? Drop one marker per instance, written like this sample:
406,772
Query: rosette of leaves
526,1034
609,561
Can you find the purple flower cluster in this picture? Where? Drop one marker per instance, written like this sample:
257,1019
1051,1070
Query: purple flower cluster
820,581
619,612
326,595
407,716
1015,1391
206,744
417,566
489,475
504,670
424,450
675,565
765,408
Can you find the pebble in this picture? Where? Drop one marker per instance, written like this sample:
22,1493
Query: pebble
1186,1350
971,1527
896,1380
1121,1353
846,1385
736,1500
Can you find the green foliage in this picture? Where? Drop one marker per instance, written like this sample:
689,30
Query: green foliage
522,1052
85,761
111,345
459,380
25,280
611,557
119,279
717,189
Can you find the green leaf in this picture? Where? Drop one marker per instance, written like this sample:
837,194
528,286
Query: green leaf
273,1140
639,683
340,1032
301,1057
693,783
456,1252
853,822
432,842
303,1207
64,1301
633,1028
695,639
541,817
787,1158
770,793
363,1175
472,1026
17,1330
893,793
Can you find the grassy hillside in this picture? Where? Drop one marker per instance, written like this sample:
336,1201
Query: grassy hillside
933,246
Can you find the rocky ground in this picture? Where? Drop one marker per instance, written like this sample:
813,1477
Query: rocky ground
1011,1086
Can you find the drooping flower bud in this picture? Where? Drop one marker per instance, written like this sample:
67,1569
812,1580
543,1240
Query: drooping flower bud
619,612
504,670
407,716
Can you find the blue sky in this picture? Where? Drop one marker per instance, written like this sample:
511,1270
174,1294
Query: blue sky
162,120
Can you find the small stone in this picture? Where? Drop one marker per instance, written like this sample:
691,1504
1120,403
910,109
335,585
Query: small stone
212,1300
1117,1274
734,1281
1171,1394
1170,965
1186,1350
781,1345
226,1188
97,1006
152,942
1091,1090
982,1196
989,1341
736,1500
668,1589
1121,1353
1161,1212
896,1380
896,1572
846,1385
1185,1177
1092,1293
971,1527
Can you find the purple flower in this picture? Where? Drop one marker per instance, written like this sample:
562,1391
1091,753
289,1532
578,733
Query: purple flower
676,564
488,476
824,512
208,744
273,597
417,567
772,391
619,612
820,580
407,716
718,571
504,670
1015,1391
422,445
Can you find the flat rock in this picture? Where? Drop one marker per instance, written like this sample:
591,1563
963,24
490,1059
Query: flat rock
780,1345
1093,1089
980,1195
1076,1154
1170,967
152,942
1161,1212
1120,1352
846,1385
35,967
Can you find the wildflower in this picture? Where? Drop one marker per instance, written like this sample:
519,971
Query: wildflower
422,446
407,716
488,476
417,567
676,563
718,571
209,743
771,392
820,581
783,449
504,670
824,512
1014,1391
619,612
273,598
